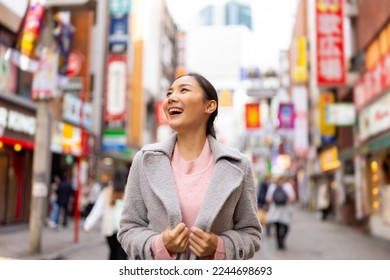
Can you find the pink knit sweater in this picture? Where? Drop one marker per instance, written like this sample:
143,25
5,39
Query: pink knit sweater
191,179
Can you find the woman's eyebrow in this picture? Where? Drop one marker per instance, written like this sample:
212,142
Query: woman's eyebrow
180,86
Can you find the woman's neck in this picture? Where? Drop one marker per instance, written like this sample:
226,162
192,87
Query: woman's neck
191,146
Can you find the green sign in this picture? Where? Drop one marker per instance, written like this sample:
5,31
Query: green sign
120,6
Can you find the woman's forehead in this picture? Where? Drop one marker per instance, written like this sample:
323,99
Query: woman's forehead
185,80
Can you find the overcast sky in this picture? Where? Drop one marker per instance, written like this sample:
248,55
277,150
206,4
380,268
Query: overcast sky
272,23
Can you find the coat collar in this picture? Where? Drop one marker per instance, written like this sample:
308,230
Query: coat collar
225,179
219,150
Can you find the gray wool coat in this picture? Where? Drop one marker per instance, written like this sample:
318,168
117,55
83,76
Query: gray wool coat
151,205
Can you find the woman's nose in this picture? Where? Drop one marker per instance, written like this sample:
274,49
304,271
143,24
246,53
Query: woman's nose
172,97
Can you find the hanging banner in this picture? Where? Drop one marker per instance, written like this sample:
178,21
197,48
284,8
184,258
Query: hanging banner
22,53
63,34
330,43
116,87
252,115
328,131
44,83
301,126
161,119
286,116
119,35
300,73
340,114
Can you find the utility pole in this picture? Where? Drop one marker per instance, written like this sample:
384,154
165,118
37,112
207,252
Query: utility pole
42,155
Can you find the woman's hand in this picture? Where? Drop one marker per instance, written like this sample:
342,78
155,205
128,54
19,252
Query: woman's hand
176,240
203,244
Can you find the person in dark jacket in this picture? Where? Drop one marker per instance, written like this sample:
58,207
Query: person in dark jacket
261,202
64,193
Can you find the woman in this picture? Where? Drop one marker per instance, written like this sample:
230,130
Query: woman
190,197
323,200
280,196
107,207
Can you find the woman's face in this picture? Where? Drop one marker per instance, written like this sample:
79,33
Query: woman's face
185,106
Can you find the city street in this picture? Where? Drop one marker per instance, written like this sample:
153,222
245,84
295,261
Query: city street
308,239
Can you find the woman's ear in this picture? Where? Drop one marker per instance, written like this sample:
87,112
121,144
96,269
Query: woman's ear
211,106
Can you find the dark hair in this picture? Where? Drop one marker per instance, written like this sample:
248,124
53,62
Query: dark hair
209,93
119,184
120,178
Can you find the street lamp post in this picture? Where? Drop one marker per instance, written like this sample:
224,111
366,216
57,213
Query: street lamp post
42,156
42,153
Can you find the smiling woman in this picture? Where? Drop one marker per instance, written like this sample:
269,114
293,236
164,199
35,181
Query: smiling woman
190,197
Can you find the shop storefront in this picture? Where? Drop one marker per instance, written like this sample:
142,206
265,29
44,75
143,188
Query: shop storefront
374,126
17,130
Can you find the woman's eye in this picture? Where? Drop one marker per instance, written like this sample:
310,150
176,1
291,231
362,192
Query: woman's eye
184,89
168,94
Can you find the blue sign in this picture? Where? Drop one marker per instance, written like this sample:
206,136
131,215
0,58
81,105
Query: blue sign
119,34
120,6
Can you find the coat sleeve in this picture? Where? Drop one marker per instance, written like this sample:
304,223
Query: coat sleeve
244,240
133,234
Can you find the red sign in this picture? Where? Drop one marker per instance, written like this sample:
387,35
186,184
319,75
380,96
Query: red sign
160,114
330,43
373,83
75,61
115,107
252,115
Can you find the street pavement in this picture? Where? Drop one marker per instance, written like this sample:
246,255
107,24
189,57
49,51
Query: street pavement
309,238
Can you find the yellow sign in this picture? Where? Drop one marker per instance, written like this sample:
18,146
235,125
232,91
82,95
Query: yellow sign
300,63
327,130
329,159
225,98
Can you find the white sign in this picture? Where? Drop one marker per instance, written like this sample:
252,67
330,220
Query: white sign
116,88
375,118
17,121
340,114
39,189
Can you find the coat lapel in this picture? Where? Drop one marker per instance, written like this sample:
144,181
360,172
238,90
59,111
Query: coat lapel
158,172
225,179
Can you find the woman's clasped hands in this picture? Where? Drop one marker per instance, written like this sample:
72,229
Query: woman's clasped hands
201,243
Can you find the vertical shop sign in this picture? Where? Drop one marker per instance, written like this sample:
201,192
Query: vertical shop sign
44,83
118,37
161,119
252,115
330,44
63,34
286,116
301,127
22,53
115,107
300,73
328,131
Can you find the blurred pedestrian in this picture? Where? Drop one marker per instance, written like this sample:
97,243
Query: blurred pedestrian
323,200
262,204
64,193
280,196
92,194
190,197
108,208
54,207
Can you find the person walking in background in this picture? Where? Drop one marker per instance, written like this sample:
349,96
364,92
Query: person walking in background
280,196
53,199
64,193
190,197
92,194
323,200
108,208
262,204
